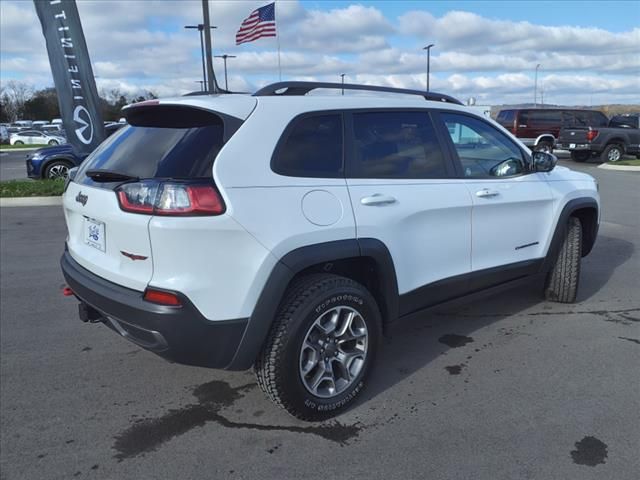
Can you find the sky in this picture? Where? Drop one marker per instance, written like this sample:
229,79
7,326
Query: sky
589,52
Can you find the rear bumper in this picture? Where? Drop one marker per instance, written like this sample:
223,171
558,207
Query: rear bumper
578,146
179,334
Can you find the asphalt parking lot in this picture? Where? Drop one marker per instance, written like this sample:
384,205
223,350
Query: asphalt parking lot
509,387
12,165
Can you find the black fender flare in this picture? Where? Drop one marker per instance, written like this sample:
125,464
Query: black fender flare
558,235
295,262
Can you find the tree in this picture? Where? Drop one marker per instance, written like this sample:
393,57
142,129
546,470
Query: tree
43,105
14,95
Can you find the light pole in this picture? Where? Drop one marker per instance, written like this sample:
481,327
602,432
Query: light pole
342,77
200,28
428,49
535,88
224,57
201,82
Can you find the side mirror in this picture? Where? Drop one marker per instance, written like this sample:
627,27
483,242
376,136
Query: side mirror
544,162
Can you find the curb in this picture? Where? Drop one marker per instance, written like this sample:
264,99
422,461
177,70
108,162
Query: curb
30,201
9,150
620,168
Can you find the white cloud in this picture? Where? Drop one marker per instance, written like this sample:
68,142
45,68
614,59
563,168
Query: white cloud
142,45
472,33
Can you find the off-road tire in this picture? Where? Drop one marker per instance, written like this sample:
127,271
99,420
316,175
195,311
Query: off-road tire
277,366
562,281
609,151
580,156
544,147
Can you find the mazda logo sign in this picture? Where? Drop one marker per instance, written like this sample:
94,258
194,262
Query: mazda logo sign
85,131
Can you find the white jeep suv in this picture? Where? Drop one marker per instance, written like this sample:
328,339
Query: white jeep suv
287,231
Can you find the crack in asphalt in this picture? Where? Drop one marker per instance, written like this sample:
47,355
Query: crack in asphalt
630,339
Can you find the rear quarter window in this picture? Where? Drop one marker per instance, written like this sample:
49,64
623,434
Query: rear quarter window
311,146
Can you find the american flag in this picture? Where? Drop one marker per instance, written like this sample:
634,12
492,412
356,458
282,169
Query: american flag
261,23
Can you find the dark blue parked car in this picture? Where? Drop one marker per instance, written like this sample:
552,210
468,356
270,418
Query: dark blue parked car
56,161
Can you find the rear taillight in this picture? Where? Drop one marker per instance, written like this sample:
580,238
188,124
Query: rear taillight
591,135
161,297
150,197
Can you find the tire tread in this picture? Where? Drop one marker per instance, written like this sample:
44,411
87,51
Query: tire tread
563,279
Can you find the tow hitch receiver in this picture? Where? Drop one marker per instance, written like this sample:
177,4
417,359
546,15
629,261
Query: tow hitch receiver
88,313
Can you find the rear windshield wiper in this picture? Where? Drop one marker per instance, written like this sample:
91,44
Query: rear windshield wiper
98,175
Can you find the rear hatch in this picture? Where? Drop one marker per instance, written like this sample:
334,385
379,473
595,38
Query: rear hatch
110,202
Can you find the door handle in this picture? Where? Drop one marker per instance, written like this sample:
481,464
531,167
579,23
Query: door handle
486,193
377,199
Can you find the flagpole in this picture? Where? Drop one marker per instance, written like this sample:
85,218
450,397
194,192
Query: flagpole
278,41
279,64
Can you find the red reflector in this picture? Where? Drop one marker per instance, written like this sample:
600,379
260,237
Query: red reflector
67,292
163,298
591,134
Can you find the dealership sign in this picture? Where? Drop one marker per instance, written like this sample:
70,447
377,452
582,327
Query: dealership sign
72,73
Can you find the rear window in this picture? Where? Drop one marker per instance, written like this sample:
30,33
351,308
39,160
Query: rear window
583,118
160,145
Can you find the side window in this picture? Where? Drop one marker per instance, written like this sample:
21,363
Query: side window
548,118
483,150
535,117
623,122
312,147
396,145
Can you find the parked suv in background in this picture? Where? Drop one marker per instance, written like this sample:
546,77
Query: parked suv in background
611,143
538,128
56,161
287,232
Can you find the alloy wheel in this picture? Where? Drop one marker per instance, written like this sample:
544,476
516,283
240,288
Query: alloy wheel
333,352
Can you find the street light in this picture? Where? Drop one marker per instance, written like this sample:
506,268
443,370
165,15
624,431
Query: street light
200,28
428,49
201,82
535,88
342,77
224,57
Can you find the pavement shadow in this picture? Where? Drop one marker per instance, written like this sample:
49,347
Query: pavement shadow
597,268
415,341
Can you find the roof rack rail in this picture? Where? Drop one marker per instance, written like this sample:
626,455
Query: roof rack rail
302,88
